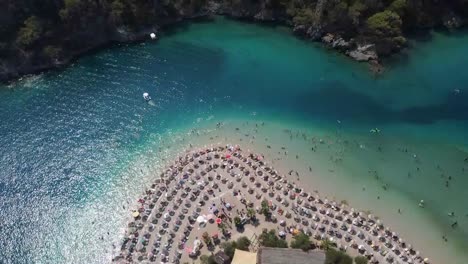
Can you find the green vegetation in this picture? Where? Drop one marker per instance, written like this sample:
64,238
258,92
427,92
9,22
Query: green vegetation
237,220
206,238
229,248
57,29
251,213
301,241
265,209
30,33
385,23
360,260
326,244
243,243
204,259
356,10
304,16
333,256
398,6
270,239
52,52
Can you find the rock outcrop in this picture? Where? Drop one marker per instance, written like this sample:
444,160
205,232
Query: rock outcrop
364,52
452,21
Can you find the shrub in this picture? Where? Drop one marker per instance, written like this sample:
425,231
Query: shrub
237,221
333,256
304,17
400,40
243,243
117,10
360,260
385,23
229,248
206,238
355,11
251,213
52,52
30,32
398,6
301,241
265,210
326,244
204,259
269,239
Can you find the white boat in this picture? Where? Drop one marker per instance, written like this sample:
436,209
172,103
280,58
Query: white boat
146,96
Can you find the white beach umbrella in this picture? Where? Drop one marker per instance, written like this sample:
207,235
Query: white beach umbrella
200,219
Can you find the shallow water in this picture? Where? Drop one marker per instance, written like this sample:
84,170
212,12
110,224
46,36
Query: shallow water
79,146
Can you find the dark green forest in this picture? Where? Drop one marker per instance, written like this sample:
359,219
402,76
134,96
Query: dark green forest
38,33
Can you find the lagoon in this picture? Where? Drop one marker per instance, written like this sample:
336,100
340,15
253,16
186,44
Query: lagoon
80,145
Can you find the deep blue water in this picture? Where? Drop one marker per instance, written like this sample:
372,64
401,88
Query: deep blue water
69,139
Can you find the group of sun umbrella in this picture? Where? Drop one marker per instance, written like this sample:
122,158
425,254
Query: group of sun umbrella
188,180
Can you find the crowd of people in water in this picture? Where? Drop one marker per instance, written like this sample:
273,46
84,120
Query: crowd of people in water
208,189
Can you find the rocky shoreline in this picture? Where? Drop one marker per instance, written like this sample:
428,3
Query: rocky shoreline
119,36
360,53
312,23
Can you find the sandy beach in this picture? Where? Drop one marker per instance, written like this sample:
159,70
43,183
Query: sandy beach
211,183
314,175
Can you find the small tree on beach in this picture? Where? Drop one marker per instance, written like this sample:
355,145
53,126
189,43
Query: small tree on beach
206,238
301,241
360,260
204,259
229,248
333,256
326,244
237,221
265,209
222,226
243,243
270,239
251,213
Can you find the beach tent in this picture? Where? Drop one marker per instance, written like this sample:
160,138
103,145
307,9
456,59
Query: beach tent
244,257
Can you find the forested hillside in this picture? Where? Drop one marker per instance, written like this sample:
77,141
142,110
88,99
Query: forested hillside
39,34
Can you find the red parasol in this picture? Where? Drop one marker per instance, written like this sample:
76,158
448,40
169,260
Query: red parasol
218,221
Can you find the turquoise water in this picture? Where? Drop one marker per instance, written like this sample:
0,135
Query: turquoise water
79,145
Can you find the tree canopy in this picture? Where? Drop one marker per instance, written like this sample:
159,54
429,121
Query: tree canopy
301,241
360,260
333,256
30,33
385,23
270,239
243,243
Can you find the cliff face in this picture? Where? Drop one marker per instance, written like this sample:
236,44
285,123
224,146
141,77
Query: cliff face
36,35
